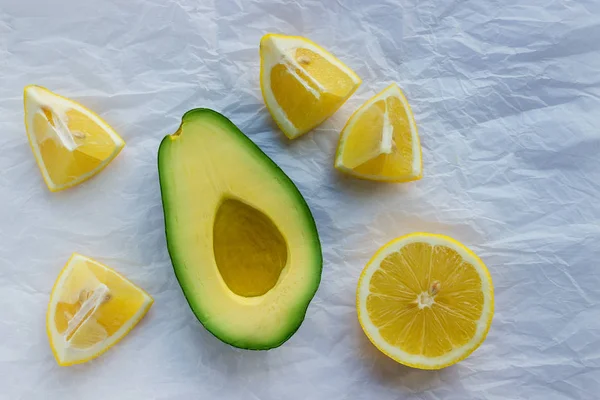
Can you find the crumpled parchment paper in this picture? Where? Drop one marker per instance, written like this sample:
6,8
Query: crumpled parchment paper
506,95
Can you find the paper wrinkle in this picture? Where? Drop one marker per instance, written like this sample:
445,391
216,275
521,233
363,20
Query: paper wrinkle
506,98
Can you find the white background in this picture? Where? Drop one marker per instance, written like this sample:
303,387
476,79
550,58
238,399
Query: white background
506,95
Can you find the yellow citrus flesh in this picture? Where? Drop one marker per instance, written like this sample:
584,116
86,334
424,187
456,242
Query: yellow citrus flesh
425,300
70,143
380,140
302,84
91,308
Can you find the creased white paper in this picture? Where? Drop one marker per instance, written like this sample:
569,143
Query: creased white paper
507,100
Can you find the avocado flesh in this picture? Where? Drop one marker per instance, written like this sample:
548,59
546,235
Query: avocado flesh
241,238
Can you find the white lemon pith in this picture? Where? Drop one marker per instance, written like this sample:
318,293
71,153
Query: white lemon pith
302,83
425,301
380,140
91,308
70,143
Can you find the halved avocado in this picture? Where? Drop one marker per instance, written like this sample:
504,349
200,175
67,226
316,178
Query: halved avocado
242,240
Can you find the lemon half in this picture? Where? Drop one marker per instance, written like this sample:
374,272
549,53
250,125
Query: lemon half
425,301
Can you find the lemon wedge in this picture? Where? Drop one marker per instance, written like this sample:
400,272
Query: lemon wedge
425,301
380,141
302,84
91,308
70,143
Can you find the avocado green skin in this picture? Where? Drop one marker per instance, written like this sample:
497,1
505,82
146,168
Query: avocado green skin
297,315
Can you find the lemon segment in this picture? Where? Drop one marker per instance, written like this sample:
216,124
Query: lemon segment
302,83
91,308
380,141
425,301
70,143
